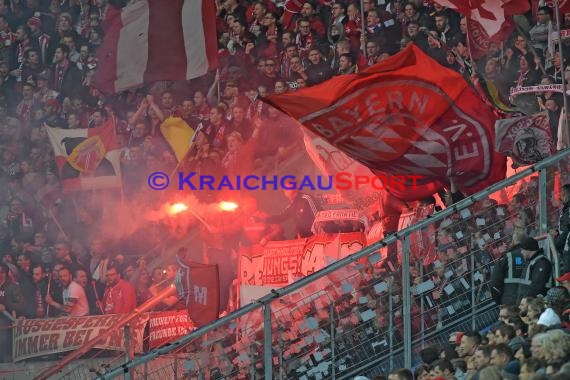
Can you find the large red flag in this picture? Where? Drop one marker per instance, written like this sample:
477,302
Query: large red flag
406,115
492,15
152,40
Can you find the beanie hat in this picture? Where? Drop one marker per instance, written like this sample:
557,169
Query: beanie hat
529,244
556,295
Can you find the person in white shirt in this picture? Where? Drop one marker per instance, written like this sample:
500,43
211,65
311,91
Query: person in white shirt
75,301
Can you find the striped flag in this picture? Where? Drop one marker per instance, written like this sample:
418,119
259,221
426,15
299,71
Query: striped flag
152,40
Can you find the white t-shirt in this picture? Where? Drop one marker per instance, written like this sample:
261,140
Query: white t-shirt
81,307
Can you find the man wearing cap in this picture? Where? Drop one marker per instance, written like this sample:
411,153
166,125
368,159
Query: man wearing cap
38,37
537,272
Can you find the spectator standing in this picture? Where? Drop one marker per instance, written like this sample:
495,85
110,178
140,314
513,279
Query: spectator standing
538,270
120,295
75,301
11,303
302,209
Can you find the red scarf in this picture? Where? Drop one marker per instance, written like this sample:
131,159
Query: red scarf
59,71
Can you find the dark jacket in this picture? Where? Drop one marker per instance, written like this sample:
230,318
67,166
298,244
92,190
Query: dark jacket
303,210
537,276
506,277
71,84
11,297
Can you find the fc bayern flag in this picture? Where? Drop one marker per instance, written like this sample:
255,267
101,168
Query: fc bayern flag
406,115
199,286
151,40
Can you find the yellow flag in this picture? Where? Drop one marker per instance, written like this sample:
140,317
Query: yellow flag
178,134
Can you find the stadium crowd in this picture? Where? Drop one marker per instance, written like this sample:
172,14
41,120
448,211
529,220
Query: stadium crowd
48,59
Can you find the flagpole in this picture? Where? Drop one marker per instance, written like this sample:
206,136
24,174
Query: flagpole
363,26
563,71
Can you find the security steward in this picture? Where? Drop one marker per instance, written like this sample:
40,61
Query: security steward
537,275
506,277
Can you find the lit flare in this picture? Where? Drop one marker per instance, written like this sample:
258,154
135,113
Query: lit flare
177,208
228,206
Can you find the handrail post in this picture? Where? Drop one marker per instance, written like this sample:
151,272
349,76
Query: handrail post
542,198
407,305
267,342
128,349
473,290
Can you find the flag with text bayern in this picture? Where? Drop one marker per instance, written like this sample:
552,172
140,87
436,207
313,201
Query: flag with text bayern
152,40
198,285
488,21
406,115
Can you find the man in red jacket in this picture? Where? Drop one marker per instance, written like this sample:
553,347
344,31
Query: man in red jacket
120,295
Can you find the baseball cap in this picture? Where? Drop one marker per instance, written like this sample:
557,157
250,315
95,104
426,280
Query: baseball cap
564,277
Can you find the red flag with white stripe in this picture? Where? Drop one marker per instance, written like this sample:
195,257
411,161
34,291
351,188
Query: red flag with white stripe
151,40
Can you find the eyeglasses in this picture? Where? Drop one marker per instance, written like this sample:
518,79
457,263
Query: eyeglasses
270,64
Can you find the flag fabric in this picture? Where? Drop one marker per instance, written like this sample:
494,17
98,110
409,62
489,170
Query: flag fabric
178,135
152,40
491,15
479,42
527,139
332,161
198,285
87,159
406,115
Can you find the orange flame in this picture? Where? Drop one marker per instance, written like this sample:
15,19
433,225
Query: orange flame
177,208
228,206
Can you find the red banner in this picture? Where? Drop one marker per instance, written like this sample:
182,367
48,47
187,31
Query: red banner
199,285
406,115
167,326
40,337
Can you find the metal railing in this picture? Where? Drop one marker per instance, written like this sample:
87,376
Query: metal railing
359,312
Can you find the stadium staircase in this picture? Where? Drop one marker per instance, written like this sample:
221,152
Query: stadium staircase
360,315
